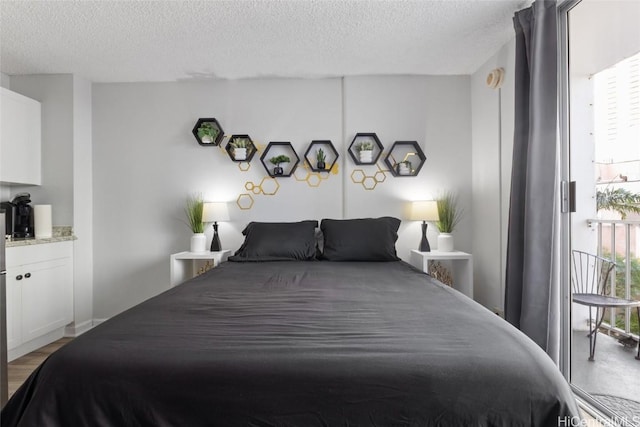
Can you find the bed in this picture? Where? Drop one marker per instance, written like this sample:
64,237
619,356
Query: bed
271,340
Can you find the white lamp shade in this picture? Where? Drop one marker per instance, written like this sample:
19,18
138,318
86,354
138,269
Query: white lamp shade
215,212
424,210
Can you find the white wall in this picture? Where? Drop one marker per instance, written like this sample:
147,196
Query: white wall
5,81
55,92
492,130
435,112
82,207
145,162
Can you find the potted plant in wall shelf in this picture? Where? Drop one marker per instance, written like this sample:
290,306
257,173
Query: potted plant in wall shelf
208,133
365,150
450,215
404,168
240,146
277,161
320,159
193,210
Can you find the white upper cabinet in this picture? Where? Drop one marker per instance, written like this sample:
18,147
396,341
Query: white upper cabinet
20,139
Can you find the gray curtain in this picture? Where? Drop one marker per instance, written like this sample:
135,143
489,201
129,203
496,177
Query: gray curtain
531,287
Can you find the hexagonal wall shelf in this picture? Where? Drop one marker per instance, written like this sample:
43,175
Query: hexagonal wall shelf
208,132
405,158
236,153
273,151
330,153
369,140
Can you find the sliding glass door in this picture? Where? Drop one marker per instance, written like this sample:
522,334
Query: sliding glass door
601,135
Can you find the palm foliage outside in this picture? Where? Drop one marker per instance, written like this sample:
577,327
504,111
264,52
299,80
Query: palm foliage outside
619,200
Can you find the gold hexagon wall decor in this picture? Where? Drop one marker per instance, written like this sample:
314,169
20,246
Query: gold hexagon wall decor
245,201
314,179
269,186
357,176
301,174
369,183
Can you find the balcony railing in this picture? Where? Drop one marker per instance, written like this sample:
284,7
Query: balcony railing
619,240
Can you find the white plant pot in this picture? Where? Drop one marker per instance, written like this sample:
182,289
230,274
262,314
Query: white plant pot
240,153
198,242
366,156
403,169
445,242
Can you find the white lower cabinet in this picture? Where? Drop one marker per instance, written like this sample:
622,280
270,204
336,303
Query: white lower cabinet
39,295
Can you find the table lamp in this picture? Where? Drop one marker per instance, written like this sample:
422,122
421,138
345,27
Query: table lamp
424,210
214,212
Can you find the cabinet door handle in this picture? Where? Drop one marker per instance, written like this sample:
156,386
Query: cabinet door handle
19,277
26,276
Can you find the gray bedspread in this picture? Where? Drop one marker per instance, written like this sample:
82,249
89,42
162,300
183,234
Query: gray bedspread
299,344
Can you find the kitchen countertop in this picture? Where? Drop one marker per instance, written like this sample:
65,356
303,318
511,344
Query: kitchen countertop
59,234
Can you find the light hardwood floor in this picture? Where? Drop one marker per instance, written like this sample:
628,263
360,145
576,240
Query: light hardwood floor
20,369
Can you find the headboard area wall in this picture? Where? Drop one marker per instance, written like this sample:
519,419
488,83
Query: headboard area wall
146,161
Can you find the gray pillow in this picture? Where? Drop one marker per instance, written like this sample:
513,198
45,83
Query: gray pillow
273,241
363,239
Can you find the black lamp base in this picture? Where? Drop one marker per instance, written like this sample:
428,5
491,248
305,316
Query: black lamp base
215,241
424,243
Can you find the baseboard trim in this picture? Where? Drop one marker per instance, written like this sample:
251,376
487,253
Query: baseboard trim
76,330
34,344
96,322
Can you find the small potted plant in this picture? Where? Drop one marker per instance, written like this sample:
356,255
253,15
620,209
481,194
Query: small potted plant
404,168
320,158
208,133
365,149
277,161
239,146
193,210
449,216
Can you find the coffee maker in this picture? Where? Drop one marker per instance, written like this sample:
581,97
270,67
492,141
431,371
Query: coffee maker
19,216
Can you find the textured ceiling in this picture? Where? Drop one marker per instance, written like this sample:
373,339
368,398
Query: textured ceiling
127,41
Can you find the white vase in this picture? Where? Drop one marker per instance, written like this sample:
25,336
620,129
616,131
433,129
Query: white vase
198,242
366,156
403,169
445,242
240,153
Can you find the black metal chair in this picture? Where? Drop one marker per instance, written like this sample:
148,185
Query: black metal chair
590,281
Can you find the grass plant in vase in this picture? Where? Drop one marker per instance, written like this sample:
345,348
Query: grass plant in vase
193,210
450,215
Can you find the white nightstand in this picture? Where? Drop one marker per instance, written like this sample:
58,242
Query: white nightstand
462,267
185,265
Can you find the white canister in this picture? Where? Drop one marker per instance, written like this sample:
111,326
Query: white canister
366,156
240,153
42,221
198,242
445,242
